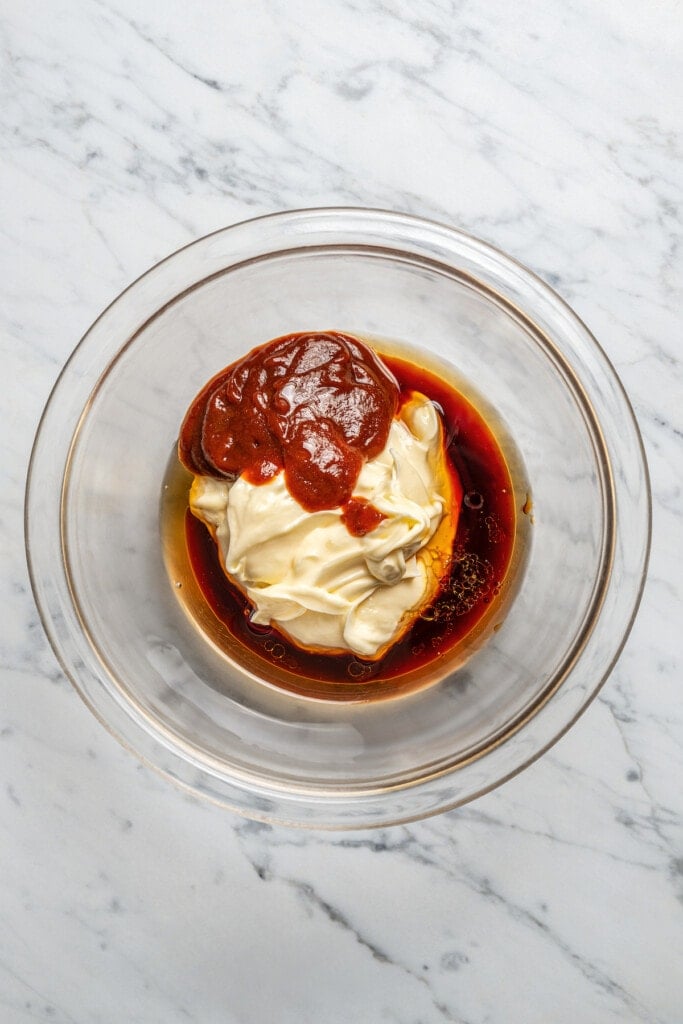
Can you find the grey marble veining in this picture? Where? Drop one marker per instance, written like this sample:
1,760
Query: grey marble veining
552,131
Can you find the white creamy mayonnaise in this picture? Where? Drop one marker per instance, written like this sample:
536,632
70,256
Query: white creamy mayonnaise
306,574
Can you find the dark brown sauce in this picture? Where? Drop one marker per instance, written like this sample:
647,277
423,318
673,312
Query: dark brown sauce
480,560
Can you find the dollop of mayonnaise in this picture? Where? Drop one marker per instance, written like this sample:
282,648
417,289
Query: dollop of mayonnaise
306,574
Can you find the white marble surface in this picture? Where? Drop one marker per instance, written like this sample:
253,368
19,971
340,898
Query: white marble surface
552,129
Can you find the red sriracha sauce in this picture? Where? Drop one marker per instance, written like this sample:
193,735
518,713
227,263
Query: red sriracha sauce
314,405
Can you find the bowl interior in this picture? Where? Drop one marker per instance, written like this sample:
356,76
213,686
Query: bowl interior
154,658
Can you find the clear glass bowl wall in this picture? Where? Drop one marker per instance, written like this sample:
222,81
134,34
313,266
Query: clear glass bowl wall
93,518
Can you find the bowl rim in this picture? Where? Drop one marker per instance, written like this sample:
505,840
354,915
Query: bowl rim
443,766
388,218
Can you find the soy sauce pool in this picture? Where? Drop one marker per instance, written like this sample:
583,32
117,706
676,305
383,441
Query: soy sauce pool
480,575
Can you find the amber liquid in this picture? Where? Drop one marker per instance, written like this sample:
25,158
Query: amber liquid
446,631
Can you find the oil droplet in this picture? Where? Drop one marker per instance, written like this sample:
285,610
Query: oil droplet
528,506
178,584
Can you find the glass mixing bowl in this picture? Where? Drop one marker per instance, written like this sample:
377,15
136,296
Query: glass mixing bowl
93,533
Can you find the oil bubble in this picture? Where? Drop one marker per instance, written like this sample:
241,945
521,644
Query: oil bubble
494,531
473,500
